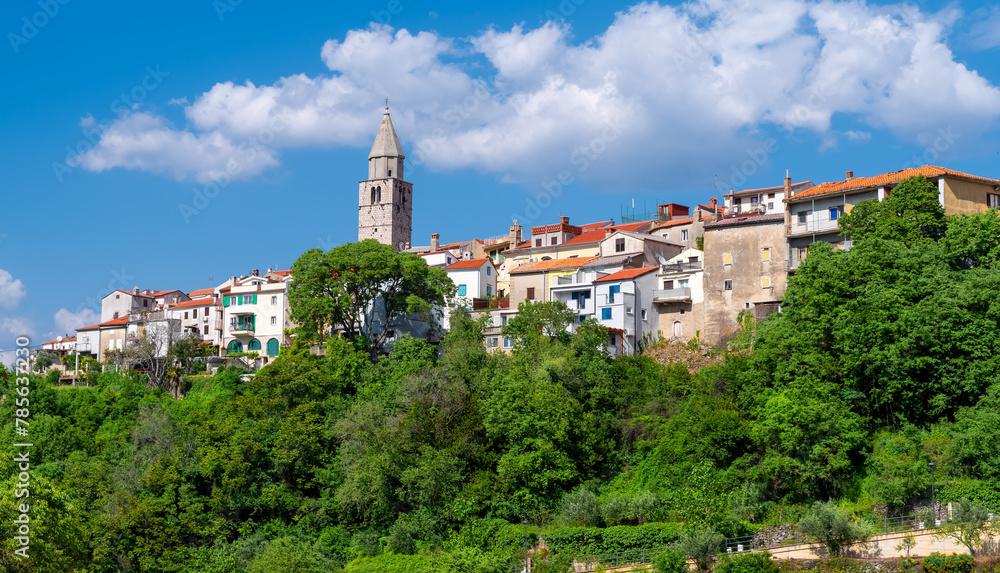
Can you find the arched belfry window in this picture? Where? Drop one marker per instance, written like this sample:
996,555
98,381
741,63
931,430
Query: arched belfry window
378,194
373,195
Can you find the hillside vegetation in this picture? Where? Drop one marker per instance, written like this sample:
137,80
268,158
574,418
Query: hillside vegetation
885,357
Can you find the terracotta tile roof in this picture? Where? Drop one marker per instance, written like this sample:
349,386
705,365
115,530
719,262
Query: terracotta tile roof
53,341
286,273
163,292
626,274
674,223
599,224
748,219
132,293
116,322
553,264
602,232
201,292
469,264
717,208
438,252
91,327
190,303
885,179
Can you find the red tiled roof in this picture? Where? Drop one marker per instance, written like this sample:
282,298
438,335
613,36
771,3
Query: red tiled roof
91,327
116,322
553,264
775,189
163,292
626,274
602,232
469,264
190,303
438,252
885,179
599,224
746,219
287,273
717,208
201,292
129,292
53,341
674,223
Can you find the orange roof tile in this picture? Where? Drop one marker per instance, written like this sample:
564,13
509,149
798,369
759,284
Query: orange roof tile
674,223
116,321
599,224
553,264
190,303
599,234
626,274
885,179
163,292
201,292
286,273
91,327
469,264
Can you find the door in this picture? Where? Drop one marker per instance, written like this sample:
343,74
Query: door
677,329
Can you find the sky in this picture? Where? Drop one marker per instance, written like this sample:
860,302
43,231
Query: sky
175,144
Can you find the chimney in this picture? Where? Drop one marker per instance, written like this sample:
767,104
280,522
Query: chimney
788,185
135,290
564,220
849,175
255,272
268,269
435,241
515,235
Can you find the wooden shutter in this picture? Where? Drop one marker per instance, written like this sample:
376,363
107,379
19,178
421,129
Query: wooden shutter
255,299
225,301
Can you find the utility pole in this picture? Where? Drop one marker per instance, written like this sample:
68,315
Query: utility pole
933,501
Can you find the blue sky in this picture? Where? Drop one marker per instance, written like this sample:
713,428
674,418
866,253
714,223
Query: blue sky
163,144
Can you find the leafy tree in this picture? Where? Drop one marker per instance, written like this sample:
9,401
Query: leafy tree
539,319
186,350
747,563
44,359
909,214
670,561
969,525
291,555
832,526
363,289
579,508
701,545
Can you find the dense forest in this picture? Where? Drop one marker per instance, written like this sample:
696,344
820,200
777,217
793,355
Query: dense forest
431,458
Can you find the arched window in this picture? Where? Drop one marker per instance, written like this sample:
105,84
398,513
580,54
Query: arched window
677,329
378,194
373,195
272,347
234,346
253,345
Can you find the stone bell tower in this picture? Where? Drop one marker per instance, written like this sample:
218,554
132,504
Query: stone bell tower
385,201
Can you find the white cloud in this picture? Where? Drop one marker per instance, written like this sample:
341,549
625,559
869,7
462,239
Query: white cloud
983,35
11,291
67,322
858,136
679,89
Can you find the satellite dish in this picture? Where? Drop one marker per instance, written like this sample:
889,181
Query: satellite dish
58,339
662,260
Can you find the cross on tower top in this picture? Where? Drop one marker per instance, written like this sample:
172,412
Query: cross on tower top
386,104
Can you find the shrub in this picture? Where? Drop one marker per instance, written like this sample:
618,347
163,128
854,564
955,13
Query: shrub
670,561
833,527
367,544
594,541
702,545
747,563
579,507
938,563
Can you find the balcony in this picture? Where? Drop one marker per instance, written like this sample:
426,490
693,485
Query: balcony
681,267
672,295
490,303
242,328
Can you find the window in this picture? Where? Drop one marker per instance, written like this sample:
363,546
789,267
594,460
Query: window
802,253
684,283
684,235
538,242
272,347
619,245
580,298
770,195
765,254
765,282
835,212
373,195
234,346
554,241
746,305
492,342
629,311
666,235
145,303
727,258
274,320
992,200
206,329
606,313
692,259
668,285
195,311
612,291
677,328
770,206
115,315
803,216
185,316
117,296
644,314
753,201
274,300
503,320
531,293
253,345
489,271
727,284
506,342
489,290
461,290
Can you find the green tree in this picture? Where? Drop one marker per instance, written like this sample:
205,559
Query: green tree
910,213
969,525
535,320
670,561
291,555
362,289
44,359
832,526
186,350
701,545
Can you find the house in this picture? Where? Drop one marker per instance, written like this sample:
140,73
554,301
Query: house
474,278
624,306
649,249
814,214
764,200
111,335
88,340
168,297
200,317
563,240
680,296
744,271
255,315
121,302
681,227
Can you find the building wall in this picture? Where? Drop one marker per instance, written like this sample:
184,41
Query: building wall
263,311
88,341
111,339
744,243
967,197
521,282
389,218
692,321
125,303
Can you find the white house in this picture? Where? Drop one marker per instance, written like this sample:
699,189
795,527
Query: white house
625,306
121,302
255,314
680,295
200,317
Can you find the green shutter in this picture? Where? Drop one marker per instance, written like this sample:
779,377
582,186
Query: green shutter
255,299
225,301
253,321
239,299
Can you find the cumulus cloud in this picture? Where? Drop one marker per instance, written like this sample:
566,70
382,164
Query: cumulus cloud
67,322
11,291
675,88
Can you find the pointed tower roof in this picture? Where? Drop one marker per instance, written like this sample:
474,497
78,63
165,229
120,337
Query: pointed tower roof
386,142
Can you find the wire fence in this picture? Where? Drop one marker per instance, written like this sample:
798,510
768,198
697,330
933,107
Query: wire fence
769,538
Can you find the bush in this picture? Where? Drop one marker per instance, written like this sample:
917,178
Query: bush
833,527
367,544
579,508
747,563
594,541
670,561
938,563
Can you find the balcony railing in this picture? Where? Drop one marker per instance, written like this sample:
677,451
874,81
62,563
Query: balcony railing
681,267
241,328
490,303
672,295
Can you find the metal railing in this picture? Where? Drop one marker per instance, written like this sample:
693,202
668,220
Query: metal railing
680,267
762,540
